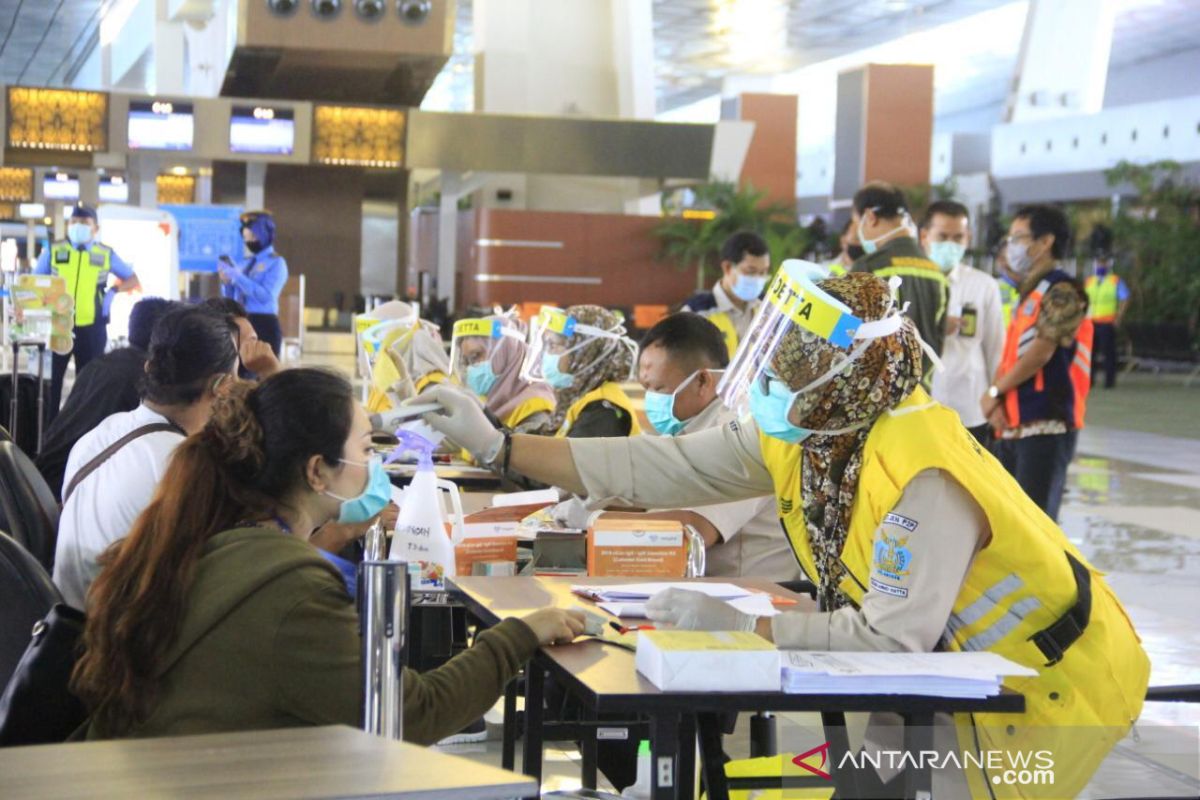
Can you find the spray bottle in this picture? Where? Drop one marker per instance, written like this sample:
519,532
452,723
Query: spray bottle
422,537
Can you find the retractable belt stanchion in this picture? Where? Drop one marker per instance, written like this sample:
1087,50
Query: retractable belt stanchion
383,619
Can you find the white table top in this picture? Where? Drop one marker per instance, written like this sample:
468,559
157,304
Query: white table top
333,761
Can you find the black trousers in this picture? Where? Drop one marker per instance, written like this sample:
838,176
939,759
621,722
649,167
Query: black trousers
268,330
90,341
1104,347
1039,463
982,434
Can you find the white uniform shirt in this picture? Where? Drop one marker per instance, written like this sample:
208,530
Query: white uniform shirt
970,357
105,504
740,317
753,544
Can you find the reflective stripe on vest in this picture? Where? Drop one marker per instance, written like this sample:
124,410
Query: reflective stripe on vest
726,327
1102,298
611,392
1018,584
1031,400
86,275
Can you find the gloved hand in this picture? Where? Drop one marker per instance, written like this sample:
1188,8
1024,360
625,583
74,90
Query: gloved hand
694,611
573,513
462,420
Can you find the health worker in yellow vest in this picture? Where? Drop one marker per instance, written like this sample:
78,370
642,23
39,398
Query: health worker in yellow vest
1108,297
85,264
584,354
917,538
486,356
735,298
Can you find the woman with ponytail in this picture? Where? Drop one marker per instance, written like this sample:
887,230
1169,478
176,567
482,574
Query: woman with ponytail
216,614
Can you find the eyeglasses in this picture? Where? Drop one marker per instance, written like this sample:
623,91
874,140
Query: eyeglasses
1016,237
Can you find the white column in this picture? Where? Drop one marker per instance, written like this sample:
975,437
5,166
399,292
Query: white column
256,185
1063,64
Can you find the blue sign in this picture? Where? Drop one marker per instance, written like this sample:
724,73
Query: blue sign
206,233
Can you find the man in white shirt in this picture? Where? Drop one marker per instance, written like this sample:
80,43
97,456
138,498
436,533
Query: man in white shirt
679,366
193,353
734,299
974,319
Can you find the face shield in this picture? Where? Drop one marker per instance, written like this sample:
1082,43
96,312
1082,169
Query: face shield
556,343
471,348
830,339
395,354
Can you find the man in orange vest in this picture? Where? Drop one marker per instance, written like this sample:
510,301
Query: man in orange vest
1107,298
1036,404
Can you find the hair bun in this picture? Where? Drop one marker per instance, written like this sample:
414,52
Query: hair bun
234,432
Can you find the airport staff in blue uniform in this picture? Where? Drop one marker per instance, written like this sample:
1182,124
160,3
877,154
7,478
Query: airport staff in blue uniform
256,284
85,265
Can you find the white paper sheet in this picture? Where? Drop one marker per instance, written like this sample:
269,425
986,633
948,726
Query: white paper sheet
758,605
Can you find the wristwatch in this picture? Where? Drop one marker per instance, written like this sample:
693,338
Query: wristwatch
993,392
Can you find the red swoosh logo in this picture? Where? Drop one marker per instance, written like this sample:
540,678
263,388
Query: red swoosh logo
824,751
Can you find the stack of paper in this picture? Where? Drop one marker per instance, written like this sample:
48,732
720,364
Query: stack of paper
967,675
629,600
708,661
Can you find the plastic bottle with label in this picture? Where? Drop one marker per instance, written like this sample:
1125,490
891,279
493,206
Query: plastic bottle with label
641,788
422,538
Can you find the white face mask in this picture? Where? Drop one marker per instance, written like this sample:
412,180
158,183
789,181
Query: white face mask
1017,254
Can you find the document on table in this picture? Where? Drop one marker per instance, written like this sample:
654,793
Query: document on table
640,592
968,675
758,605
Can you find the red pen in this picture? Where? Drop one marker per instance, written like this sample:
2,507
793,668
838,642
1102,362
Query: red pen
621,629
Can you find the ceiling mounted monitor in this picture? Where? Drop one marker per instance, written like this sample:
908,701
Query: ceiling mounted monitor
263,130
62,186
161,125
114,189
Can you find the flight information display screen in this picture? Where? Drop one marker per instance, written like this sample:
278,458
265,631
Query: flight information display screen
263,130
160,125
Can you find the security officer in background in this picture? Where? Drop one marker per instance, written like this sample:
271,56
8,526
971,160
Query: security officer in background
256,284
850,251
887,235
745,268
1108,296
85,265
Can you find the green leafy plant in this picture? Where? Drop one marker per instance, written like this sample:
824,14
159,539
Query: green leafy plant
697,242
1157,242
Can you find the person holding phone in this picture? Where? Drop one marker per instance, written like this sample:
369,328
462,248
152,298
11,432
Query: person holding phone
256,284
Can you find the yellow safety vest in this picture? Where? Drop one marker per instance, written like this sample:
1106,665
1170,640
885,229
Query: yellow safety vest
835,268
726,327
86,275
1102,298
533,405
611,392
1008,300
1020,583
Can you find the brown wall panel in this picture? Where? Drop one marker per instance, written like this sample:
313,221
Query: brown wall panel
899,123
318,211
617,250
770,164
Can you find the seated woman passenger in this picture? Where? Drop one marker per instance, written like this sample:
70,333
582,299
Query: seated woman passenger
216,614
486,355
584,354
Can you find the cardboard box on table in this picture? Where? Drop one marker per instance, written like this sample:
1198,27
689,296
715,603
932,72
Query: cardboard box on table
637,549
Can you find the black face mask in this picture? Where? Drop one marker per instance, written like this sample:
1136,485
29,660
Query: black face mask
855,251
255,247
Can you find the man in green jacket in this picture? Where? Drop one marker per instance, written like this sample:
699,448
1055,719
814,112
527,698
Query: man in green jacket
888,238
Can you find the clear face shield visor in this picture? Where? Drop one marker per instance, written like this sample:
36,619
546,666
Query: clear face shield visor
475,340
384,351
553,334
831,338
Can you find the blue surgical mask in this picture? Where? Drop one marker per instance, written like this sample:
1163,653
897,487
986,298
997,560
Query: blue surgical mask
552,374
749,287
79,233
946,255
660,408
770,411
1017,254
871,245
481,378
374,498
